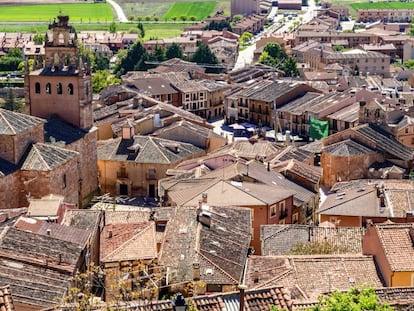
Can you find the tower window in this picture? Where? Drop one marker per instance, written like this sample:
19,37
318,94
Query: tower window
59,88
48,88
70,89
37,88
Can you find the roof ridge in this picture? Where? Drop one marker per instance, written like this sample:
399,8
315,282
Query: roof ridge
160,150
7,121
39,154
130,240
218,268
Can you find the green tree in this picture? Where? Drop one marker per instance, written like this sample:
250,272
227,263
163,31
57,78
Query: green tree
103,78
141,30
11,102
9,63
355,299
266,59
183,18
174,51
245,37
409,64
38,39
133,60
112,27
338,48
101,63
289,67
158,54
275,51
237,18
203,55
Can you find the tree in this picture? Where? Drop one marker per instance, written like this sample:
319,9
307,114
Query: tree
203,55
101,63
237,18
103,78
112,27
38,39
266,59
141,29
133,60
15,52
10,102
158,54
409,64
289,67
275,51
174,51
245,37
355,299
338,48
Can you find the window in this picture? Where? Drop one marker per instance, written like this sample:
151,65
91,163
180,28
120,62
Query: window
37,88
273,210
295,218
377,113
48,88
169,97
406,130
70,89
59,88
151,174
64,181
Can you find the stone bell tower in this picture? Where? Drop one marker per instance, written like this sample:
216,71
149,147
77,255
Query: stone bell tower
62,86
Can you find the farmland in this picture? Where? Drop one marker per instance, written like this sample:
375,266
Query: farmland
199,10
382,5
78,12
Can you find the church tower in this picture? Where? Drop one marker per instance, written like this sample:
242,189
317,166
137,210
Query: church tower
63,86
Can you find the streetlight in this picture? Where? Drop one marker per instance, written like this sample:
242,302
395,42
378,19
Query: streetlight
179,303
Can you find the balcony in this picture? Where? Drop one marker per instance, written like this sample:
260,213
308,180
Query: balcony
122,175
283,214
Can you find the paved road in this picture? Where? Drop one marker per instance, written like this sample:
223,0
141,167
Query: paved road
119,12
246,56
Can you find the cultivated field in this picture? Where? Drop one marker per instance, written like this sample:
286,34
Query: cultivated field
78,12
200,10
383,5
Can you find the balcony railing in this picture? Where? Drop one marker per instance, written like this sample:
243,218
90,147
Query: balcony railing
122,175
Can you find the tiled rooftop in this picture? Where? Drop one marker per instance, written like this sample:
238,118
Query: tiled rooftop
46,157
396,241
309,276
279,239
13,123
220,249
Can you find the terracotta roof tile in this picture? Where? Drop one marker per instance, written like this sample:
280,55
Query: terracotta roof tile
397,245
309,276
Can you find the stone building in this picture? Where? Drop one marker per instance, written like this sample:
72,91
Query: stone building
53,150
61,92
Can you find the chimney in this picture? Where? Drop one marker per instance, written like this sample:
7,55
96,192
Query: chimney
287,138
196,271
204,217
204,197
48,232
128,130
242,288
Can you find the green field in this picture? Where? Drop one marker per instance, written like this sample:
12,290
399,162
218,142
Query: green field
152,30
200,10
382,5
82,12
